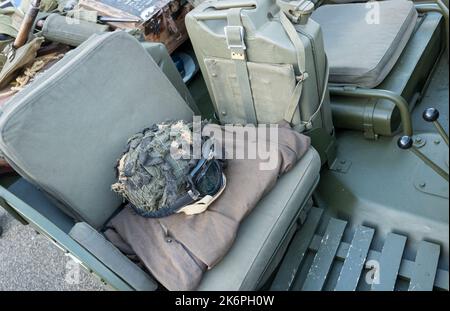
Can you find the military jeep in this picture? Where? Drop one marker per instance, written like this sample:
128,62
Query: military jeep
366,208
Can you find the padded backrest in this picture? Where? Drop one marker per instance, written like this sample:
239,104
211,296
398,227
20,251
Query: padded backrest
66,130
160,55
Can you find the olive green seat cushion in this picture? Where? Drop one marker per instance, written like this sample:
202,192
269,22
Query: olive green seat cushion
361,48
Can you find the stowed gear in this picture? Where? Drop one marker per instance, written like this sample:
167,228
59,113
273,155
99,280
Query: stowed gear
158,175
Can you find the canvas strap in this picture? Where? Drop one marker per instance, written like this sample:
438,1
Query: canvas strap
235,33
300,51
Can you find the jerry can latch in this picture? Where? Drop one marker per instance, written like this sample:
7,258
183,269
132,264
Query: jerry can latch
235,41
297,11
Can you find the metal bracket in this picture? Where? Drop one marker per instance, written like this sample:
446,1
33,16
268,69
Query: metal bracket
395,98
237,55
237,48
426,180
240,31
369,109
340,166
10,52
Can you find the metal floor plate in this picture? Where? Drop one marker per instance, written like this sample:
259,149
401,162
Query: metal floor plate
327,261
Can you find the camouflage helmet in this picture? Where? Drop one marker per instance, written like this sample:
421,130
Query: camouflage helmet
158,175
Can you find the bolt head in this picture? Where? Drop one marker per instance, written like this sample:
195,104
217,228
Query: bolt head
405,142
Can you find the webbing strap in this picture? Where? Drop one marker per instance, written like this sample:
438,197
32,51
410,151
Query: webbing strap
300,51
234,33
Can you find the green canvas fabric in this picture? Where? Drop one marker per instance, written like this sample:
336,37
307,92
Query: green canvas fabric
203,241
160,55
16,59
362,53
46,5
7,27
74,119
85,15
73,32
149,177
259,243
222,76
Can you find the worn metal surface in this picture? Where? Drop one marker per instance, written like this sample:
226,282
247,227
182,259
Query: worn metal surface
325,255
425,267
407,266
355,259
296,252
426,179
389,263
356,265
383,184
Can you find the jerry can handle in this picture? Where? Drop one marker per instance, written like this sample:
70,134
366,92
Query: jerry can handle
221,6
298,11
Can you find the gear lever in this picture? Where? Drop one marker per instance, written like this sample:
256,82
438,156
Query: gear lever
432,115
406,142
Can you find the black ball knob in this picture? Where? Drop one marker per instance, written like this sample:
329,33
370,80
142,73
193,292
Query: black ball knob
430,114
405,142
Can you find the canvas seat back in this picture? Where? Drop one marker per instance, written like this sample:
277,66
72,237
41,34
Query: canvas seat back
66,130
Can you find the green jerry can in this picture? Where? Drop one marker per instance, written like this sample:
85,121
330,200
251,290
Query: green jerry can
264,61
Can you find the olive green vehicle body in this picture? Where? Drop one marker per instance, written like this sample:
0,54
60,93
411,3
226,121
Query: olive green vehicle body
366,181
